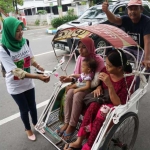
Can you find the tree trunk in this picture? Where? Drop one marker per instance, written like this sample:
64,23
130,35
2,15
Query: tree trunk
90,3
59,8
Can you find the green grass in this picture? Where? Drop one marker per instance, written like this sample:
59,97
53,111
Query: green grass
52,29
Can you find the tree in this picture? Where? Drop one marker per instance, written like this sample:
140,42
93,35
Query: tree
59,8
97,1
8,5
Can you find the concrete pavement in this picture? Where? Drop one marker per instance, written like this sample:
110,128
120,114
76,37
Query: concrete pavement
30,27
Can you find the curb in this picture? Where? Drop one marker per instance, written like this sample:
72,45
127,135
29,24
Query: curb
51,31
35,27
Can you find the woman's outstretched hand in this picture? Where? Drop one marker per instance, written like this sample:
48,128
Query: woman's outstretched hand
44,78
41,68
65,79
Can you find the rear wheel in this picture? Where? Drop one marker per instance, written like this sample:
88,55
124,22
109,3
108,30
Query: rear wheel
100,43
123,135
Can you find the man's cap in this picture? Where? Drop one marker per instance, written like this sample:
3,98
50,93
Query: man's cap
135,2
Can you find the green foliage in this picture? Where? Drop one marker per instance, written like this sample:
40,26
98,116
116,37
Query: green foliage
70,12
83,2
56,22
97,1
7,5
42,12
44,22
52,28
37,22
20,2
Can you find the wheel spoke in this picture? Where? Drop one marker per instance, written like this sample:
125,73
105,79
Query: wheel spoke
125,134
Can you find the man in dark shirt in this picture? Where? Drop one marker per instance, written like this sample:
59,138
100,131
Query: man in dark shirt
135,24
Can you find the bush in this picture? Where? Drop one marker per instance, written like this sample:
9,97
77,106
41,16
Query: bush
37,22
44,22
70,12
41,12
56,22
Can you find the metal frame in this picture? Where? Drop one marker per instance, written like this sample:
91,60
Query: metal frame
114,113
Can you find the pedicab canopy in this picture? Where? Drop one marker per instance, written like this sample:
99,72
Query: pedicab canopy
114,36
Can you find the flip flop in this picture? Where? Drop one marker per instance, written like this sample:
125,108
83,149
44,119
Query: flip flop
60,133
72,148
67,134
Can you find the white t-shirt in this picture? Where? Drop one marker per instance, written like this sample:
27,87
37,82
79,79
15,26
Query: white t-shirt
20,59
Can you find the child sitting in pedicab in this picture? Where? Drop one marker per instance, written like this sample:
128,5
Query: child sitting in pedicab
84,79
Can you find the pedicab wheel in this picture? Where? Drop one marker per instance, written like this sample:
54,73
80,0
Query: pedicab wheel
123,135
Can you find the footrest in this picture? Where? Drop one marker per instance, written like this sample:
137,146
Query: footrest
53,136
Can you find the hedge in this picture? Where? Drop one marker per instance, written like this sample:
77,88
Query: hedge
56,22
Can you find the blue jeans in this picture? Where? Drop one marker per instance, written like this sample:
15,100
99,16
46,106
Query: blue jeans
26,103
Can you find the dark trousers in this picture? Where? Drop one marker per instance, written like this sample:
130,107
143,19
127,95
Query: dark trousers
26,103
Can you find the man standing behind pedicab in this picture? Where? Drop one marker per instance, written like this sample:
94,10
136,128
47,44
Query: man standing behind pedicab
135,24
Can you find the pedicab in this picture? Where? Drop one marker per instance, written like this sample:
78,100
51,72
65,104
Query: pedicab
120,128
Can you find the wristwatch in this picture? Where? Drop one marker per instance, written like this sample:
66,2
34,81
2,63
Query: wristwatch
73,80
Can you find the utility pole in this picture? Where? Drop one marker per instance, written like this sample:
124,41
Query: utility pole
59,8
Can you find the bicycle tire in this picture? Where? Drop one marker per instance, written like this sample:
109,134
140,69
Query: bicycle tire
121,145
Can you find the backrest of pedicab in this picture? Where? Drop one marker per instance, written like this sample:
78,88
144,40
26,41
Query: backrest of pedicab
138,54
59,103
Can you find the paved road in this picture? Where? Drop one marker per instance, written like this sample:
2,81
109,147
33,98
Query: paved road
12,134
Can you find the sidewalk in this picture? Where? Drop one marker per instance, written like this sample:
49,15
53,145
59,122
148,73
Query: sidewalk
30,27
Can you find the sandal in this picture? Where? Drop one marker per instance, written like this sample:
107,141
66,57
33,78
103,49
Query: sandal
60,133
67,134
72,148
